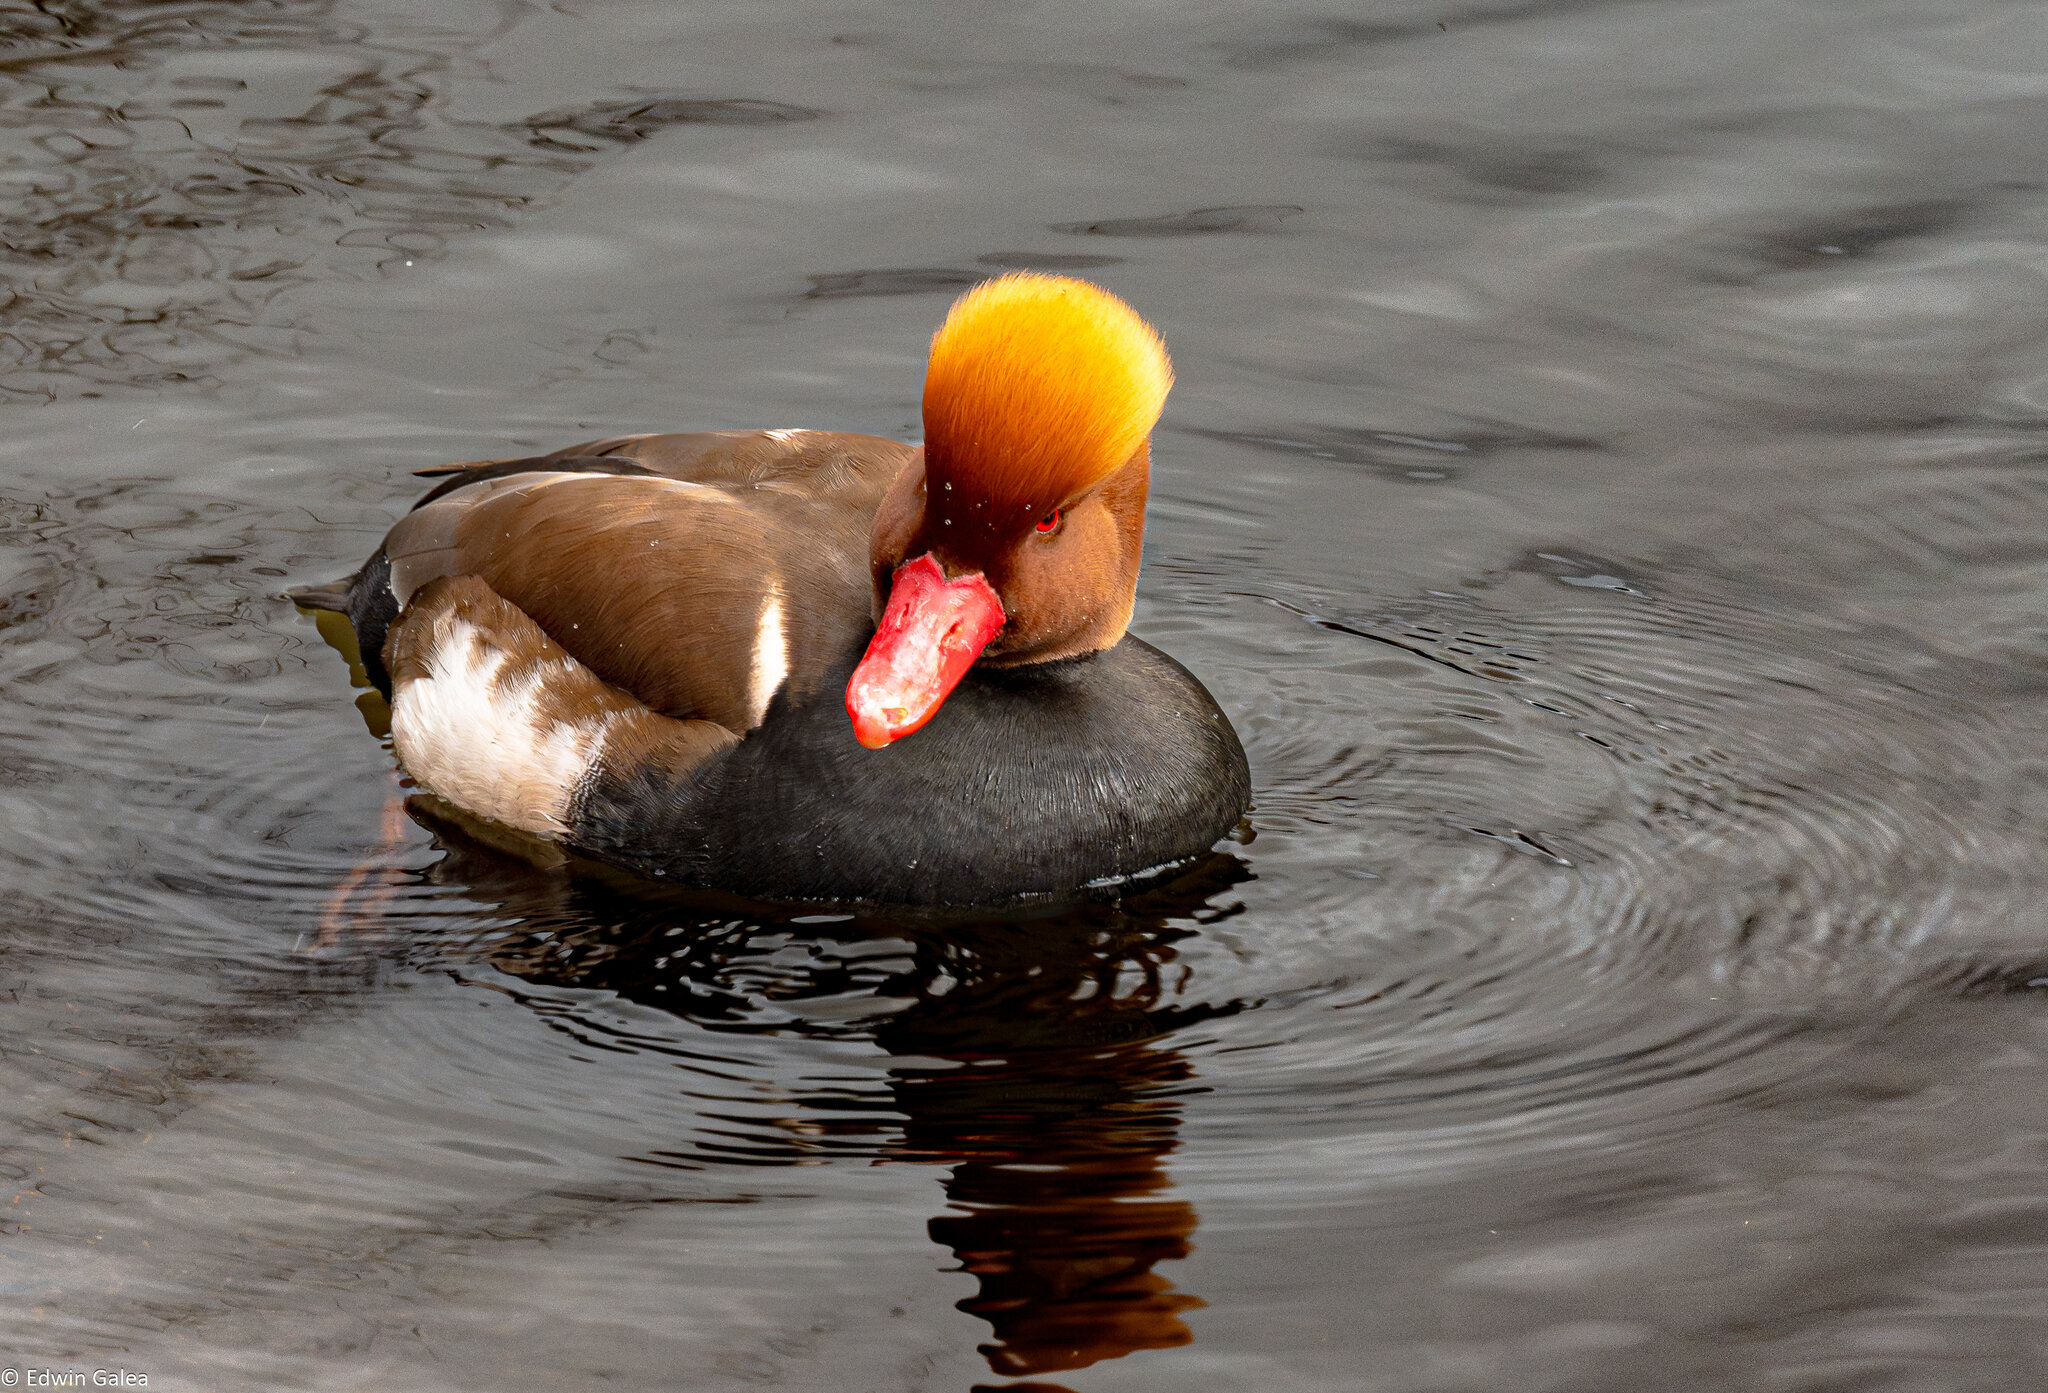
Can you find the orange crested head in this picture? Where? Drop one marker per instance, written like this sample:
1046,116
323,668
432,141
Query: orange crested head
1040,387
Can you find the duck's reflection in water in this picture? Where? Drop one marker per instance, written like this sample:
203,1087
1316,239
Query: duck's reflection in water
1049,1091
1058,1188
1033,1060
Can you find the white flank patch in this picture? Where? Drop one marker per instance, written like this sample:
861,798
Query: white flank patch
783,437
485,749
771,655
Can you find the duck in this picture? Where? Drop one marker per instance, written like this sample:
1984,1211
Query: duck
821,667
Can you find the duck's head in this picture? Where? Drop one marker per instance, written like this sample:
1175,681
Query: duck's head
1014,536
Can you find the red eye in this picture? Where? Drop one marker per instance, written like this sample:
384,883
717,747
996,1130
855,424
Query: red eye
1050,522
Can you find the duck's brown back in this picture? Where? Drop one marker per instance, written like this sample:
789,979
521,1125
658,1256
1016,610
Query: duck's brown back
715,570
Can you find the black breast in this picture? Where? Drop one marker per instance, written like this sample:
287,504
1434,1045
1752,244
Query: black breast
1028,782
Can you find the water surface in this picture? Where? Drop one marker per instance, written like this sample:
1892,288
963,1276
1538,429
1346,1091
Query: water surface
1607,485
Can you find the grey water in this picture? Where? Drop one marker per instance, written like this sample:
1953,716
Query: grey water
1607,485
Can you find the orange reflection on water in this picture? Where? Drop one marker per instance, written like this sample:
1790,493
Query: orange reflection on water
1058,1188
1065,1259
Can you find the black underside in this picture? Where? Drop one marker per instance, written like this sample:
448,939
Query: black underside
1029,783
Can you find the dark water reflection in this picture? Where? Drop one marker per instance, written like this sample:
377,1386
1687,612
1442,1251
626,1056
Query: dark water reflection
1030,1059
1605,485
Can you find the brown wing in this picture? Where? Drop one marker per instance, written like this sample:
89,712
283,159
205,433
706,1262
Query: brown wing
739,563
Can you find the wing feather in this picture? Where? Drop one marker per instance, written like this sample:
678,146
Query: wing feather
700,573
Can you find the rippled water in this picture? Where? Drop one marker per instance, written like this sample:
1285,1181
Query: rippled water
1607,485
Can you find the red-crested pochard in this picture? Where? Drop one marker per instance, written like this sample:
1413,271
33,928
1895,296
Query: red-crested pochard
647,648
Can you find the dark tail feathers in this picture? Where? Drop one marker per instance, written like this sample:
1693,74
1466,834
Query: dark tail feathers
334,595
